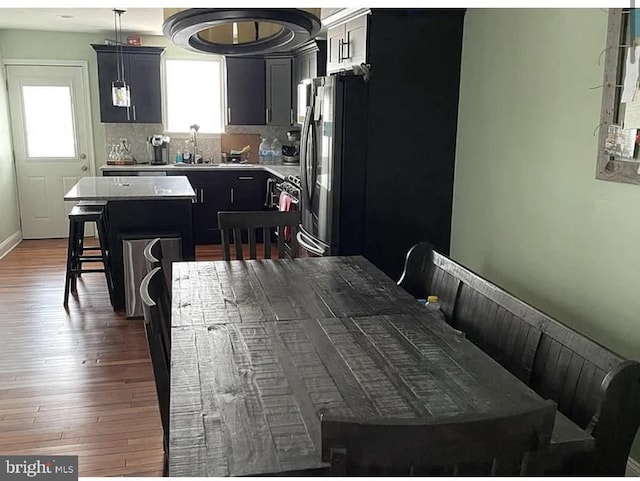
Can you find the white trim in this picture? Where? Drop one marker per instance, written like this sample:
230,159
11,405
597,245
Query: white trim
343,16
633,468
84,67
9,243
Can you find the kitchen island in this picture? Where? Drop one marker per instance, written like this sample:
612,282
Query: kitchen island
139,208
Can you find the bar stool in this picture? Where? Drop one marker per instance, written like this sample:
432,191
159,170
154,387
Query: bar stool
76,250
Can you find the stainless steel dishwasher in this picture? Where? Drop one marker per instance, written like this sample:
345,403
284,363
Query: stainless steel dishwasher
135,268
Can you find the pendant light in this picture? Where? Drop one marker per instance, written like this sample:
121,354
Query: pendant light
120,93
240,31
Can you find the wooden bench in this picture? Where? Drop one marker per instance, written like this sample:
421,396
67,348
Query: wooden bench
592,386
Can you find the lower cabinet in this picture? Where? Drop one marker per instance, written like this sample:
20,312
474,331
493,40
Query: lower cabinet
220,191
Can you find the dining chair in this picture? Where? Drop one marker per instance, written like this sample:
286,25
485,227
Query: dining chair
153,254
284,222
157,318
464,445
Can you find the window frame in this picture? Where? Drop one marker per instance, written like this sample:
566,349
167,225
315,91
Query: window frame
608,167
223,97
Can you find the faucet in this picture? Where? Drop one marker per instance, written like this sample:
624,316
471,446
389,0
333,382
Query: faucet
193,137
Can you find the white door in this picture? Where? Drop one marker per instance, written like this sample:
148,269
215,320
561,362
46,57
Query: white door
50,126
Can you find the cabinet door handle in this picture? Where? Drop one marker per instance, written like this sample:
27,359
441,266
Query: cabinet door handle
348,45
202,196
245,178
292,119
229,115
128,116
232,195
267,115
134,113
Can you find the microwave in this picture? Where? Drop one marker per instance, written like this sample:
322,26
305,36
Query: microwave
304,100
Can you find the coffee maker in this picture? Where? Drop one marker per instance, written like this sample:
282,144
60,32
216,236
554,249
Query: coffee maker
291,152
158,149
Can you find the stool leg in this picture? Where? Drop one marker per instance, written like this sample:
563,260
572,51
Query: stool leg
80,250
70,254
102,234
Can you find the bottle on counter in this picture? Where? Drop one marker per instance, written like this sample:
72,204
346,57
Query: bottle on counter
264,151
179,157
276,151
187,158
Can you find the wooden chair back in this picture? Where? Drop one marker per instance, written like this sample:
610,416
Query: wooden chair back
251,221
425,274
153,254
157,317
465,445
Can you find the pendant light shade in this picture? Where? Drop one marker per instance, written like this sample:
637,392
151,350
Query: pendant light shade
120,92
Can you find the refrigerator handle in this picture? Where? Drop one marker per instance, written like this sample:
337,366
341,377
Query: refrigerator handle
304,153
312,167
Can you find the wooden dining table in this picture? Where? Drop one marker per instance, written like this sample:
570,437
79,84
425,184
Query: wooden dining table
260,349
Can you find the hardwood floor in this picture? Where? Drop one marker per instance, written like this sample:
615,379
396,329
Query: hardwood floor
77,382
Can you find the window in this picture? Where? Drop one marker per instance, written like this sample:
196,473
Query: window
48,117
193,95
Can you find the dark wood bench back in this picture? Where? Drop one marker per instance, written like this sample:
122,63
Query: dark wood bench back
594,387
497,328
426,273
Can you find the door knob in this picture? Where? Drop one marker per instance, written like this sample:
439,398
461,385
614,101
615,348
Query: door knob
84,167
83,156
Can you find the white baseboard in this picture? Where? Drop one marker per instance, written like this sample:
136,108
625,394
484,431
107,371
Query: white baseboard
633,467
8,245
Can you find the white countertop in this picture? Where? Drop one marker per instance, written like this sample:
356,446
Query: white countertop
281,170
131,188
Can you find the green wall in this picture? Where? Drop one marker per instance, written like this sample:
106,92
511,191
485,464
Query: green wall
9,218
43,45
528,212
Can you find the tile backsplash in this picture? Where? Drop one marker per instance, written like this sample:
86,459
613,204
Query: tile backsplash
209,144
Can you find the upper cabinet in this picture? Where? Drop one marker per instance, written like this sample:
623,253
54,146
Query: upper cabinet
278,91
141,73
246,86
259,91
310,61
346,38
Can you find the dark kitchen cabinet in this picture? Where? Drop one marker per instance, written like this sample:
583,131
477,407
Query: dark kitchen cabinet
216,191
246,87
278,92
248,191
141,73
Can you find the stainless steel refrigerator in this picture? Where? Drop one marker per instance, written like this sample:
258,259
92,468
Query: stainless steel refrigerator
333,166
377,157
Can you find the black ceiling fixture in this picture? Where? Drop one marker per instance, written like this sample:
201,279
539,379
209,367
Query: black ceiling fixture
186,29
